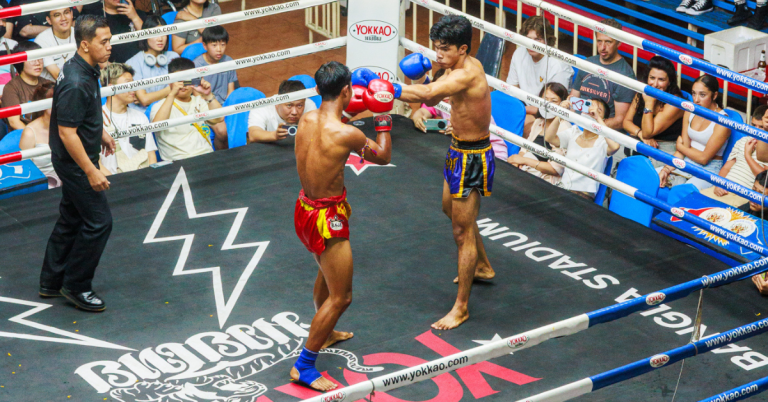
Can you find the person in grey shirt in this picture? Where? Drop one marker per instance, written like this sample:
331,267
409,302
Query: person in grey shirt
215,41
590,86
190,10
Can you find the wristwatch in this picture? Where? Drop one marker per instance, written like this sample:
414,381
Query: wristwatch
646,110
213,98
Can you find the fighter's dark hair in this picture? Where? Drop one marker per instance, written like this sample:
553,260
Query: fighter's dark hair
180,64
289,86
331,78
453,30
86,26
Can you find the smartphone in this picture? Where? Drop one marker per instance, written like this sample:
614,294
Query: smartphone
580,105
124,2
436,124
194,82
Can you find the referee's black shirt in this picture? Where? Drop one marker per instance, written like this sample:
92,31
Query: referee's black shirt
77,104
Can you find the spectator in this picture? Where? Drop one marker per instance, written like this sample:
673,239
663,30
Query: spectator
183,99
751,207
742,165
132,153
702,142
61,32
192,10
23,86
528,72
655,123
27,26
6,71
529,162
215,41
122,17
267,124
35,135
584,147
151,61
590,86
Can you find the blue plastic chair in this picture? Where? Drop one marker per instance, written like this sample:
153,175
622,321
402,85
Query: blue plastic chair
600,195
237,124
308,82
687,96
677,193
735,136
169,18
638,172
509,114
192,51
10,143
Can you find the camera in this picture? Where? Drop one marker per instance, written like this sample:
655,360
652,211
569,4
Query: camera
292,129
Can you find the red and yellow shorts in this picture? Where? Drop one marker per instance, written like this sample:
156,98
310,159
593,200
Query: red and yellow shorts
318,220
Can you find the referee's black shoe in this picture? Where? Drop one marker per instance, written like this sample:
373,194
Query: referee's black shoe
48,291
88,301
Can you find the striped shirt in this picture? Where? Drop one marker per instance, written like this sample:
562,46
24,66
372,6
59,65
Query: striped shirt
740,172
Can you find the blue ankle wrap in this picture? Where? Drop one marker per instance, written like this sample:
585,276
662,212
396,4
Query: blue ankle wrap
306,367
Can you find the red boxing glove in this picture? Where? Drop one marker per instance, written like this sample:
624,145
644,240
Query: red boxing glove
356,104
380,96
382,122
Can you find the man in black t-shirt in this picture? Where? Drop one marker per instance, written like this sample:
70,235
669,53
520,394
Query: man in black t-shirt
76,138
121,17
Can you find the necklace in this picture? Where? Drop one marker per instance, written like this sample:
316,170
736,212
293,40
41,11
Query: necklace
69,40
190,13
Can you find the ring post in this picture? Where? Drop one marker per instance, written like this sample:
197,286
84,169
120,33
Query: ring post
373,31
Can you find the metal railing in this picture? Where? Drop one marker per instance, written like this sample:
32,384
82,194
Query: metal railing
324,20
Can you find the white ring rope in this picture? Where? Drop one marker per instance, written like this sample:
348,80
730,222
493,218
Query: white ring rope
41,7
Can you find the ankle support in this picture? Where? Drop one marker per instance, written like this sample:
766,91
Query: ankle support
306,367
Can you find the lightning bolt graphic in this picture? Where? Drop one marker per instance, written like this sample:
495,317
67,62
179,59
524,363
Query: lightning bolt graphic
223,307
73,338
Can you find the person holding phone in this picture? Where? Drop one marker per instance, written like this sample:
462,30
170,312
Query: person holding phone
584,147
270,124
185,99
122,17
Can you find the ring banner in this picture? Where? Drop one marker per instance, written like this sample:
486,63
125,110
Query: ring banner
372,31
622,139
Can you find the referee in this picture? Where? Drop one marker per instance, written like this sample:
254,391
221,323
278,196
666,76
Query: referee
76,138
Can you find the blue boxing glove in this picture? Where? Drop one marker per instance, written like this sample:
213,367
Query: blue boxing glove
398,90
415,65
362,76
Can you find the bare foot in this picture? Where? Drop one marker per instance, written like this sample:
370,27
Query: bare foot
454,318
481,274
321,384
337,336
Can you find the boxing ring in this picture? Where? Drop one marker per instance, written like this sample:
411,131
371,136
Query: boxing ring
209,298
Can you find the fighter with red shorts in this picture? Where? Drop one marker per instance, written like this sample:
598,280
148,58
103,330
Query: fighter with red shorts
321,216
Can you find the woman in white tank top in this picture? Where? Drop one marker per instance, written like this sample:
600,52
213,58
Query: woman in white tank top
35,135
702,142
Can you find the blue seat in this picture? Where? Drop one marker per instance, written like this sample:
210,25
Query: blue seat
308,82
169,18
237,124
677,193
509,114
10,143
490,54
735,136
600,195
638,172
687,96
192,51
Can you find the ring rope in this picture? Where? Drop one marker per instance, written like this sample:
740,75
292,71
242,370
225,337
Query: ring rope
168,29
605,131
740,393
615,77
43,6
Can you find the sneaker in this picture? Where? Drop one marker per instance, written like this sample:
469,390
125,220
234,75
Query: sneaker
742,14
684,5
758,20
700,7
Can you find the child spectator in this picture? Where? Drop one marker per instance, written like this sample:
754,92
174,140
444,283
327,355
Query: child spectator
651,121
529,69
35,135
131,153
183,99
215,41
266,124
21,88
527,161
702,142
584,147
151,61
61,32
192,10
742,165
121,17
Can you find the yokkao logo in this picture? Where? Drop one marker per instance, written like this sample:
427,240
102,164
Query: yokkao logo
373,31
337,396
659,360
600,28
201,115
592,174
202,69
518,342
384,96
210,21
655,298
602,71
685,59
504,86
679,163
688,106
509,34
596,127
678,212
320,44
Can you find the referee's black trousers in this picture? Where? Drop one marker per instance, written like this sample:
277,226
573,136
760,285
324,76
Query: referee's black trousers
80,234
